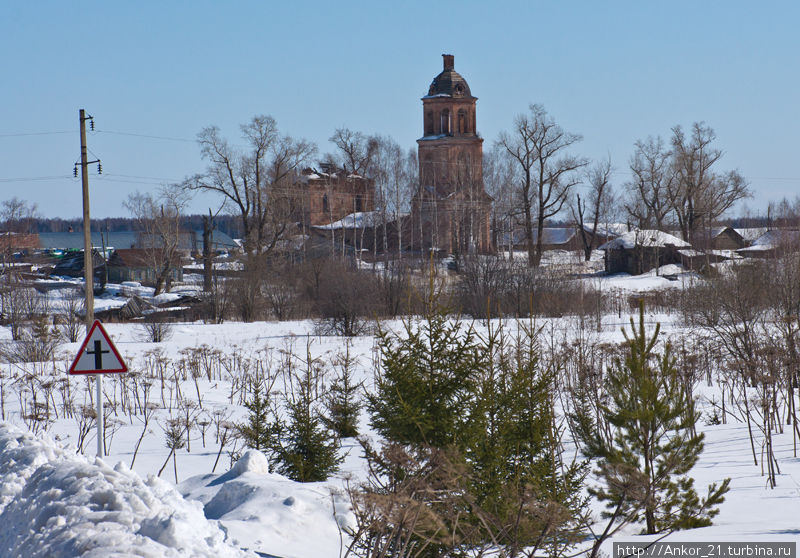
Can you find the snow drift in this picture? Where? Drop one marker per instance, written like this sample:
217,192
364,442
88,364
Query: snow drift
54,503
271,513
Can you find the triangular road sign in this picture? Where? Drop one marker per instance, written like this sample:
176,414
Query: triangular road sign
97,354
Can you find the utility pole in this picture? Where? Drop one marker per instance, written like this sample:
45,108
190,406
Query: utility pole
88,268
88,263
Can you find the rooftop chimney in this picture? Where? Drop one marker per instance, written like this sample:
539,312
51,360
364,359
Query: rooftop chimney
448,61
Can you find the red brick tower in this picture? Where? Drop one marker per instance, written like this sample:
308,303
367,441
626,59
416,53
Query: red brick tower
450,212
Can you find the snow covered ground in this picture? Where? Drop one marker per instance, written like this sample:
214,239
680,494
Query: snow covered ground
55,502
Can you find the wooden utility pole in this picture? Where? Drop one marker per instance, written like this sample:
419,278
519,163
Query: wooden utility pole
208,261
88,263
88,272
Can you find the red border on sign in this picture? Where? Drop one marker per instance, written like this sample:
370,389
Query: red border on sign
96,325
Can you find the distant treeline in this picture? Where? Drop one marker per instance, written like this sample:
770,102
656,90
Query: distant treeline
228,224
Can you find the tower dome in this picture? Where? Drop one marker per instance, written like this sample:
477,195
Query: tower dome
449,83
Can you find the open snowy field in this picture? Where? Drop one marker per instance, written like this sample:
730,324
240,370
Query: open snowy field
55,502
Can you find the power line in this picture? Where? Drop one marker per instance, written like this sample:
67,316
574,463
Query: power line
35,178
143,177
145,136
21,134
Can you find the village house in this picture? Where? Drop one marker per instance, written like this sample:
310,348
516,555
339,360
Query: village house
773,243
639,251
140,265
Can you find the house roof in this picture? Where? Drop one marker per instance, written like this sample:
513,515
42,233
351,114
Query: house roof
608,229
750,234
773,239
360,220
550,235
717,231
130,257
646,238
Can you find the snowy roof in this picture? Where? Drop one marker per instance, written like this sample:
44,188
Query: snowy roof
773,239
608,229
648,238
716,231
751,233
726,254
550,235
360,220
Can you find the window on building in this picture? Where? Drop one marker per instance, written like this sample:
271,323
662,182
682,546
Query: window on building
462,122
325,206
359,203
446,122
429,123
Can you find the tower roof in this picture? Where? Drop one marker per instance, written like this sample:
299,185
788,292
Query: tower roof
449,83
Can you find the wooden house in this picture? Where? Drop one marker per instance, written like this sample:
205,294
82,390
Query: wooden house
639,251
136,264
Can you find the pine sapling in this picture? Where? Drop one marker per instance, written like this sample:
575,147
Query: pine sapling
645,467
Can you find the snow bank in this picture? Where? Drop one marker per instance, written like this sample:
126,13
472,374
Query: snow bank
54,503
271,514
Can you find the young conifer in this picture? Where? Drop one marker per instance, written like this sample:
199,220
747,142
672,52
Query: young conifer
343,402
645,466
306,451
256,432
424,382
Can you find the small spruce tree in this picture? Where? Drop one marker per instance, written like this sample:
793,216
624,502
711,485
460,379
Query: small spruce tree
306,451
257,431
645,465
343,402
519,475
424,382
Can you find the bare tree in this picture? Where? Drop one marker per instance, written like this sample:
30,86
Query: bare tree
699,195
256,180
600,201
18,215
356,150
653,175
545,172
159,217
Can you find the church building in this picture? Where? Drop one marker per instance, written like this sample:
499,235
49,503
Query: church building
451,209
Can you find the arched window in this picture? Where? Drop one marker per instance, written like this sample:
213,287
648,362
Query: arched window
325,207
462,122
445,122
359,203
429,123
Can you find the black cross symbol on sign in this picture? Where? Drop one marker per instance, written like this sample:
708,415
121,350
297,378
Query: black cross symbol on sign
98,355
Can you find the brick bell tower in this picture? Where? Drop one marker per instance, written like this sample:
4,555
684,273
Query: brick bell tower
450,211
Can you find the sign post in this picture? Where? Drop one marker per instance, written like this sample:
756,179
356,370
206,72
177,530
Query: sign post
98,356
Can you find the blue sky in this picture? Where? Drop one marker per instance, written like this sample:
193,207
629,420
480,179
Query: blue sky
611,71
